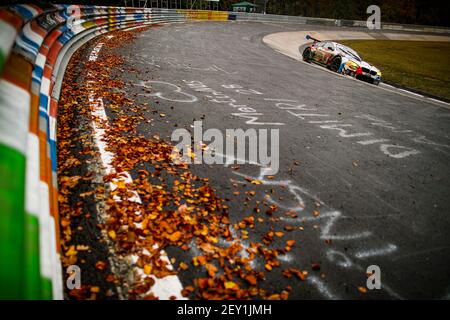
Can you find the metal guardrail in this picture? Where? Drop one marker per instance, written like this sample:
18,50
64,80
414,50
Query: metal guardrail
243,16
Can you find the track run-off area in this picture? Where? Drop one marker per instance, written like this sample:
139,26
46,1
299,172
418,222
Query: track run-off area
363,176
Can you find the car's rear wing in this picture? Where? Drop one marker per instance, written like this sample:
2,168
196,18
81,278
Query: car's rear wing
308,37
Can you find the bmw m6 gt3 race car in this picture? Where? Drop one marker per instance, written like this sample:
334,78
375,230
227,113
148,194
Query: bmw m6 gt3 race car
341,59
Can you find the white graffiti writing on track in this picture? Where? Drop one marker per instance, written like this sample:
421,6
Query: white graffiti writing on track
340,259
175,63
166,91
389,248
329,219
444,148
419,139
218,97
345,130
322,288
386,149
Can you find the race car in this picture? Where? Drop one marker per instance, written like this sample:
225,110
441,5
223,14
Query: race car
341,59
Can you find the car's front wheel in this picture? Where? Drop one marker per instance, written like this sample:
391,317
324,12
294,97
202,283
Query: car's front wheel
335,64
307,55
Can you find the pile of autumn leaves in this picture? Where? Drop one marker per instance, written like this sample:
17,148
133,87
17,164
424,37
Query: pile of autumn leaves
185,212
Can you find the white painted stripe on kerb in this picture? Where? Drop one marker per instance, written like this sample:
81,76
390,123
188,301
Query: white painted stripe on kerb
44,231
45,89
168,286
30,34
57,288
14,116
32,176
25,45
52,127
8,34
33,11
40,60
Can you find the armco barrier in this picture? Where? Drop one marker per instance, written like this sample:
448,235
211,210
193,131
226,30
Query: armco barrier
36,44
244,16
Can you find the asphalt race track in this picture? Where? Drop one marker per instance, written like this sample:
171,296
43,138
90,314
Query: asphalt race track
365,170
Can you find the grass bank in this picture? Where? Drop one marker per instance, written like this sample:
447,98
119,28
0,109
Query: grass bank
420,65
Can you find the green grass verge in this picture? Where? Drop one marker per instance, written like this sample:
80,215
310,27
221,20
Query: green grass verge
420,65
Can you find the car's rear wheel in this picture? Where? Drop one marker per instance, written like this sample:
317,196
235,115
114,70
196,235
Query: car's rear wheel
307,55
335,64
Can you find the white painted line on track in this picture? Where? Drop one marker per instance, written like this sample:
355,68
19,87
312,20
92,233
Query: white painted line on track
168,286
386,85
440,101
413,93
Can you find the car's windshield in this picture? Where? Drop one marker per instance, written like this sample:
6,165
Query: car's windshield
349,51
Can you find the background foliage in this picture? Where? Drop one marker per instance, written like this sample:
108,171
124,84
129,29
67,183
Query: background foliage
424,12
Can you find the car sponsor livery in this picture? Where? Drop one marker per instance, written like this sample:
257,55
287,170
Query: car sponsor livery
341,59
